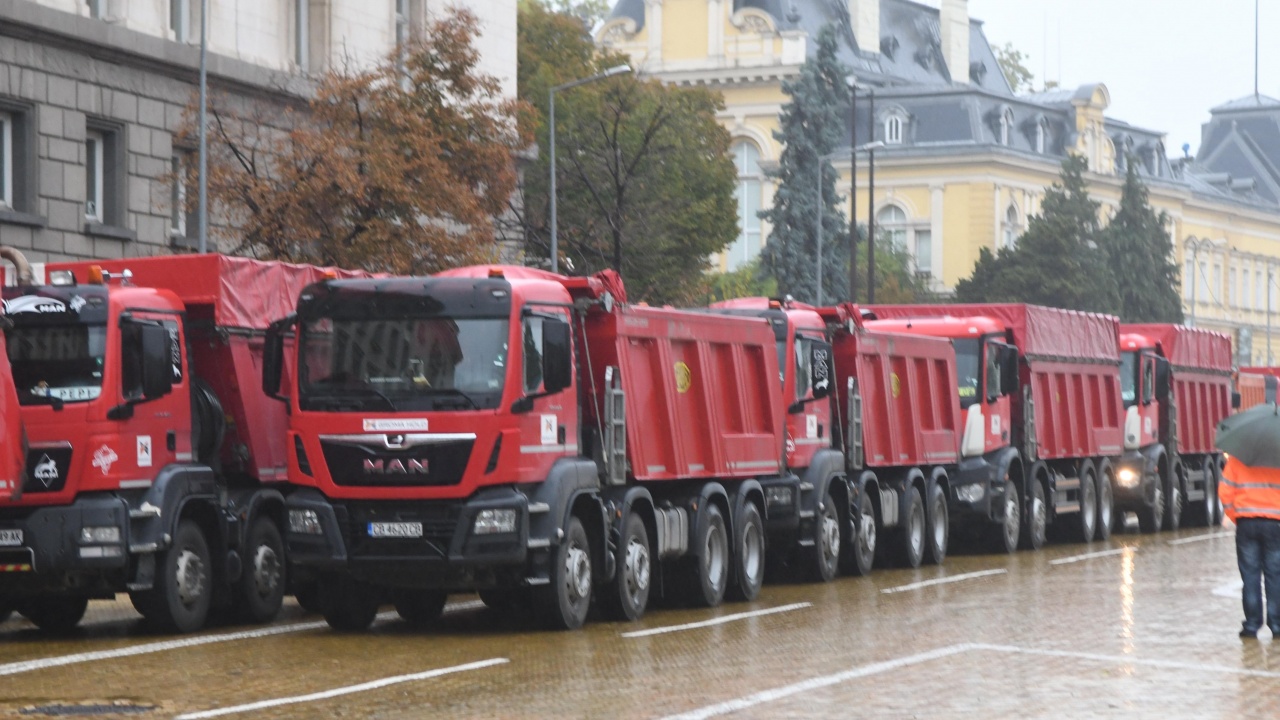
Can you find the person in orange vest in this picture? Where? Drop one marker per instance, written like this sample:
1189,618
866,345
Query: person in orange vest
1251,498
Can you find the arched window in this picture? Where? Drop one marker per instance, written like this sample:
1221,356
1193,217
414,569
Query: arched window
746,156
892,224
1006,125
1042,135
1012,228
893,130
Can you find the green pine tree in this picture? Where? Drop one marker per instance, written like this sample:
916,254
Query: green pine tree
1140,255
812,125
1059,261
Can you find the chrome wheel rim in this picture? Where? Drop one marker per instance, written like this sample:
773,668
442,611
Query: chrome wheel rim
917,531
1012,523
829,536
713,560
752,554
577,567
867,534
266,570
1088,509
190,577
636,571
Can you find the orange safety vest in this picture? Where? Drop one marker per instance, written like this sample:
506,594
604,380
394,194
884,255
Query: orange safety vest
1249,491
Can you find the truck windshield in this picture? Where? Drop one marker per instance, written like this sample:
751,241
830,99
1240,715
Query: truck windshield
968,369
57,362
1129,378
349,364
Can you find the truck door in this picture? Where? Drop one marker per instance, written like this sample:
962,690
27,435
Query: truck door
999,383
549,429
157,430
1149,400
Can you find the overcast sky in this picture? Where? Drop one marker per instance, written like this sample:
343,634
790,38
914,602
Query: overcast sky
1166,62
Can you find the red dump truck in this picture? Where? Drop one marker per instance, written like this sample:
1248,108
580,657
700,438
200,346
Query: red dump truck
529,436
1175,382
13,449
1040,389
877,466
156,464
1256,385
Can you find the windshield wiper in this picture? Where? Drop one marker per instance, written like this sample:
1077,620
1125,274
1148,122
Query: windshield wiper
454,392
342,398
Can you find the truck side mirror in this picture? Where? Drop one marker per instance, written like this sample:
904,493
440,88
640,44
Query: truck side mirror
1162,378
1008,369
557,356
1235,399
147,360
820,369
273,356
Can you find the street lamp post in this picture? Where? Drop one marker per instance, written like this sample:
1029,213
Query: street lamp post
1194,245
853,188
615,70
868,147
202,227
871,208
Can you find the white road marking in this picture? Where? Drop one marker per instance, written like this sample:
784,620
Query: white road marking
943,581
716,621
338,692
1130,660
1092,555
767,696
23,666
1201,538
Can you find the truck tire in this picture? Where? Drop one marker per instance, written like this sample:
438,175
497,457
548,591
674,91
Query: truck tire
1203,513
263,580
1087,518
859,554
563,603
348,605
506,600
1175,497
627,596
910,540
706,572
748,555
6,609
1006,534
56,614
179,599
822,561
1151,516
1036,525
419,607
938,526
1106,503
308,595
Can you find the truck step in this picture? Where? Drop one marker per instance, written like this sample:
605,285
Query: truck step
144,548
805,542
806,486
537,543
537,581
146,511
1068,507
135,587
538,507
806,514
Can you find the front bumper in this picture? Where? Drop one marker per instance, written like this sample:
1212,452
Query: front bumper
977,493
448,554
1136,480
52,556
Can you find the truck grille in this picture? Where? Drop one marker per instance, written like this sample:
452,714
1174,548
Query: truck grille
439,521
47,468
437,464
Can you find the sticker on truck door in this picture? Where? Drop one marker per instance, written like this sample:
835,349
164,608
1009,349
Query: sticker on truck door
549,430
144,451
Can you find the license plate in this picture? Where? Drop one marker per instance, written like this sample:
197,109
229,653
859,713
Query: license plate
395,529
10,538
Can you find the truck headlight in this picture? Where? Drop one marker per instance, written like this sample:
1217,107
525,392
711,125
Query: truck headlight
970,493
1127,477
493,522
304,522
782,495
99,535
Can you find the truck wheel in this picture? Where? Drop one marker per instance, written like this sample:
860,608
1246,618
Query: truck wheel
748,555
860,552
1036,526
6,609
939,526
1087,520
1175,499
1216,519
823,559
263,581
506,600
348,605
419,607
57,614
1007,533
628,594
1151,517
1203,513
563,604
1106,505
308,595
179,599
910,541
707,572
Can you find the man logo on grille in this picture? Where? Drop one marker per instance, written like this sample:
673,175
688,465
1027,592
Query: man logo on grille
46,471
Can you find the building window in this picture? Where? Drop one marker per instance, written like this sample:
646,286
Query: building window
180,20
1246,300
1259,288
1006,123
748,194
891,222
6,160
1042,135
94,146
97,8
924,252
402,22
1011,230
1216,281
1187,278
302,34
893,130
1232,298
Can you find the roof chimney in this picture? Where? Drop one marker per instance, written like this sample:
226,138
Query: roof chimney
864,15
955,38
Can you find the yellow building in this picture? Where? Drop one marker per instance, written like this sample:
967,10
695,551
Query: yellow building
966,161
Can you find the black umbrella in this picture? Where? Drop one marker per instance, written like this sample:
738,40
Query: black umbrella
1253,436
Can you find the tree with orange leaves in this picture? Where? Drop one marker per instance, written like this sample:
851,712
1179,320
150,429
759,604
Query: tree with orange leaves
401,167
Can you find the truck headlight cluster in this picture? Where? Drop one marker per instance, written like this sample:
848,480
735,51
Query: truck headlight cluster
99,535
304,522
970,493
1127,477
494,522
779,496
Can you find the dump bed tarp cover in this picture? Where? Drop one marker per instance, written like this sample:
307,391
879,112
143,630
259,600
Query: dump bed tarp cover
592,286
1039,332
1187,347
244,293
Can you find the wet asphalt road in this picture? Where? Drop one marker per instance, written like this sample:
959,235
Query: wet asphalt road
1140,626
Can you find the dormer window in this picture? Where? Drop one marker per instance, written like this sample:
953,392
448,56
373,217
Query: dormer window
893,130
1042,135
1006,123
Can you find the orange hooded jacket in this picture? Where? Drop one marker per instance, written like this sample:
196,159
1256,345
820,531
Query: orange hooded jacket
1249,491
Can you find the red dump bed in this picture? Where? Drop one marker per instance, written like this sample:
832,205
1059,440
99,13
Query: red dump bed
230,301
910,409
1200,363
1071,362
697,403
1252,388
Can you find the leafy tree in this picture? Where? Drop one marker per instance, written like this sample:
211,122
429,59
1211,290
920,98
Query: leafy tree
1140,255
896,277
1012,64
400,167
643,168
746,281
590,12
812,125
1058,261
